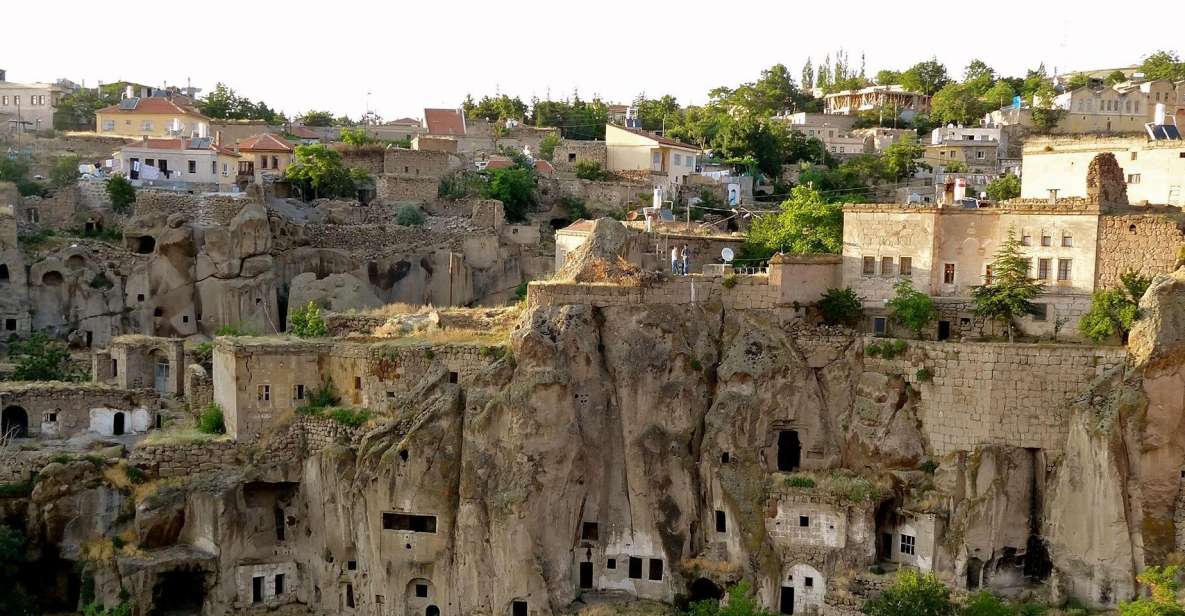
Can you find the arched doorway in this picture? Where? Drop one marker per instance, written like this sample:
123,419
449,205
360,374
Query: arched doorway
14,422
432,611
703,589
117,424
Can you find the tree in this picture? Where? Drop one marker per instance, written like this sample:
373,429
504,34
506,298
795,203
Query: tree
1009,293
985,603
356,137
841,307
315,118
547,146
1163,64
763,140
41,358
515,188
887,77
911,308
1113,311
121,193
409,216
1162,599
319,172
913,594
926,77
979,75
957,103
307,322
64,172
999,95
1003,189
808,75
1045,115
805,224
955,166
16,170
901,159
1077,80
1114,77
224,103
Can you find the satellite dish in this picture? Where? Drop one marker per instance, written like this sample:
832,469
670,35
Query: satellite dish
727,255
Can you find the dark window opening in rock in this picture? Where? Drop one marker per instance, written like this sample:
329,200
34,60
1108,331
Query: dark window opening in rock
316,594
943,330
115,367
452,377
656,569
145,244
789,450
10,325
378,599
158,312
179,592
1105,592
278,516
586,576
75,262
611,564
559,223
357,382
409,522
3,272
432,611
589,531
1037,564
279,584
139,297
56,583
52,278
351,565
808,582
90,338
880,326
403,455
724,458
885,548
804,520
421,590
518,608
350,595
1131,229
185,318
974,571
786,602
117,424
160,422
14,422
635,568
721,521
703,589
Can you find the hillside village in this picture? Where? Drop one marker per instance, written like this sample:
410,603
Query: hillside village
826,344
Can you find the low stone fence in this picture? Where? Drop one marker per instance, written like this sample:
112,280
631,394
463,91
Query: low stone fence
749,292
391,188
610,194
180,459
995,393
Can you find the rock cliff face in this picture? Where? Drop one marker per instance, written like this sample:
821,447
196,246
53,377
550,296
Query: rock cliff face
659,452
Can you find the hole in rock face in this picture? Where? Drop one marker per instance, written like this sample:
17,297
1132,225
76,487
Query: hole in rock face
145,244
703,589
178,592
52,278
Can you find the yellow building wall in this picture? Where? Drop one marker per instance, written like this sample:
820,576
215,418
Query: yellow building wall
627,151
132,124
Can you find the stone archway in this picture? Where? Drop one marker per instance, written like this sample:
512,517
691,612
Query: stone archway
14,422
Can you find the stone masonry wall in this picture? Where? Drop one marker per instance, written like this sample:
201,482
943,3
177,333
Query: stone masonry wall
201,209
369,159
750,292
1144,243
609,194
995,393
395,188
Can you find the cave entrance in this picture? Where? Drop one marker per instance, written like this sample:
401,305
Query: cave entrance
789,450
703,589
14,422
586,576
432,611
518,608
943,330
117,424
786,600
179,592
145,244
974,573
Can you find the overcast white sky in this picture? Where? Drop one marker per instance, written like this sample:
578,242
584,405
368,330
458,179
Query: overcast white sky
301,54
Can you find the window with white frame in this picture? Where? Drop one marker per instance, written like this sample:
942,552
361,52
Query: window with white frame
108,125
264,393
146,125
908,544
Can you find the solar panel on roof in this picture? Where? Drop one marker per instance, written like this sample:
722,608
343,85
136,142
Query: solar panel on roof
199,143
129,103
1172,131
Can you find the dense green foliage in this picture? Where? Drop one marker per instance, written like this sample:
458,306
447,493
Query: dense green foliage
1162,594
14,599
1163,64
224,103
319,172
590,170
409,216
41,358
805,224
356,137
742,601
315,118
76,110
1002,189
1112,311
211,420
1010,292
911,308
64,171
16,170
547,146
307,322
841,307
515,188
121,192
913,594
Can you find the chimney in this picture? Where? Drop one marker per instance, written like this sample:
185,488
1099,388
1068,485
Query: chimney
1053,196
1159,119
3,74
143,91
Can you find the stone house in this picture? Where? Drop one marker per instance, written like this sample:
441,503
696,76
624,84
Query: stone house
1154,171
569,152
152,116
27,107
179,161
264,156
141,362
64,410
667,162
1122,108
418,163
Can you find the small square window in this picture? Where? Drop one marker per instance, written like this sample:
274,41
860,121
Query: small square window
612,562
948,273
869,266
635,572
804,521
10,325
298,394
264,393
589,531
1046,240
880,325
1026,240
1040,312
421,590
907,544
1067,241
886,266
906,267
655,569
351,565
808,582
357,382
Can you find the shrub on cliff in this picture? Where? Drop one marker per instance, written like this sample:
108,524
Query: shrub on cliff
590,170
64,171
515,188
121,192
307,322
409,216
841,307
913,594
741,602
1002,189
1162,590
41,358
1115,310
911,308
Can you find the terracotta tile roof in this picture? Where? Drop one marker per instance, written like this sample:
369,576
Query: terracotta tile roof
178,143
265,142
155,104
303,133
499,162
165,144
544,167
658,138
404,122
445,121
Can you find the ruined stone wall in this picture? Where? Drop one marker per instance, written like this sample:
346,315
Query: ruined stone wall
1144,243
995,393
369,159
416,163
93,195
394,188
607,194
53,212
374,238
750,292
201,209
569,152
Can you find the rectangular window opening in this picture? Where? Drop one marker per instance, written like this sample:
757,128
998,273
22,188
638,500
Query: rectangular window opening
409,522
